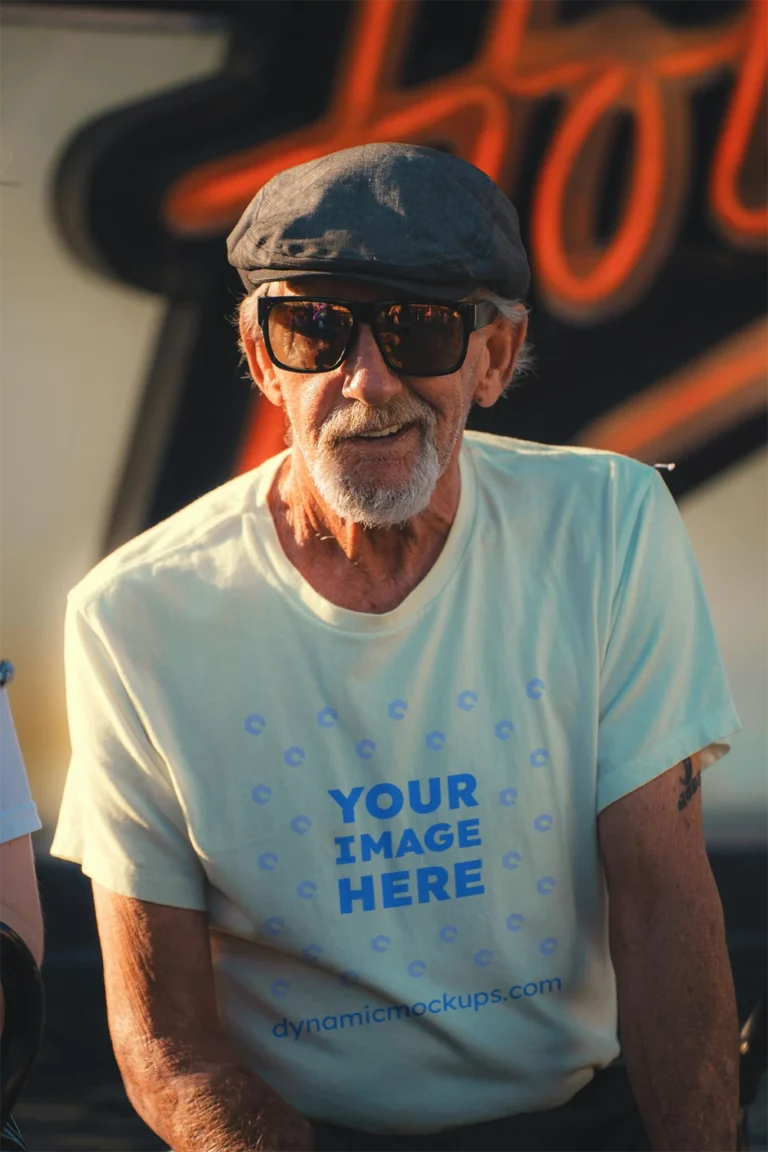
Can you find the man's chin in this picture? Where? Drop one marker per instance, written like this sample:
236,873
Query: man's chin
358,498
377,505
376,508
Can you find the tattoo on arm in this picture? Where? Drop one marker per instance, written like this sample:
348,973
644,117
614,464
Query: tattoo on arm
690,783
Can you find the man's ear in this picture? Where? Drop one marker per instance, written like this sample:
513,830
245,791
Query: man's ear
502,348
260,366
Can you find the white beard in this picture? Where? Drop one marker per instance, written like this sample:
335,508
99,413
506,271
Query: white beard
376,507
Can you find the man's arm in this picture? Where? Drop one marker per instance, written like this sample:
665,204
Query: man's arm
182,1072
677,1007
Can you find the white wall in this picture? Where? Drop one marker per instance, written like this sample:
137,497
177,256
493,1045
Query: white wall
73,353
727,521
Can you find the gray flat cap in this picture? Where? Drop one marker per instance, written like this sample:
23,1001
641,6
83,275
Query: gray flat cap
411,218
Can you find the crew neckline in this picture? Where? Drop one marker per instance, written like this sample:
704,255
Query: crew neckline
282,574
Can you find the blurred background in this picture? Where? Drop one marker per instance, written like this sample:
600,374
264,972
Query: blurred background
632,136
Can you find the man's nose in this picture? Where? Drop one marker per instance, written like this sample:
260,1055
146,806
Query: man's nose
368,378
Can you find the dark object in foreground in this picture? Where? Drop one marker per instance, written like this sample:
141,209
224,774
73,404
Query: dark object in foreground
753,1061
754,1054
22,1026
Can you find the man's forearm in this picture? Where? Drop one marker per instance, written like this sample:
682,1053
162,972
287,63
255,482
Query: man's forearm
678,1021
215,1105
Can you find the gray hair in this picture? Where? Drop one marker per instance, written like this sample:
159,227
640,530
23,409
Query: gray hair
248,314
515,311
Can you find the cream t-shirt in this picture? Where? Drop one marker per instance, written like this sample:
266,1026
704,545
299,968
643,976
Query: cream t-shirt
391,819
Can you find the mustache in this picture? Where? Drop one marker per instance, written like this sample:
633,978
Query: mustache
346,422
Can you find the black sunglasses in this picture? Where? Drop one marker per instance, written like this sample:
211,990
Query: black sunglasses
310,334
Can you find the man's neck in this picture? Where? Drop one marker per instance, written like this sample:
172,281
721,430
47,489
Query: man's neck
367,569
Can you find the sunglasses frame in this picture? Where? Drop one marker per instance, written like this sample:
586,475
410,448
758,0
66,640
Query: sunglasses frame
474,316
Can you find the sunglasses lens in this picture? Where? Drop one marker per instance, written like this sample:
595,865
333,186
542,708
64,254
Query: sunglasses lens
421,339
310,336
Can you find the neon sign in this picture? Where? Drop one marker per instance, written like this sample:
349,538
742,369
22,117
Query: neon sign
681,413
618,60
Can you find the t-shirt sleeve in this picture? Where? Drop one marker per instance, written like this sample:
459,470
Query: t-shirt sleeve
18,812
120,817
663,689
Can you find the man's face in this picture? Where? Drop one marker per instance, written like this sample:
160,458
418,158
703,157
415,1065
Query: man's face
374,481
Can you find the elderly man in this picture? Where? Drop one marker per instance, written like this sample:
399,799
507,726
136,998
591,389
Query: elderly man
386,755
